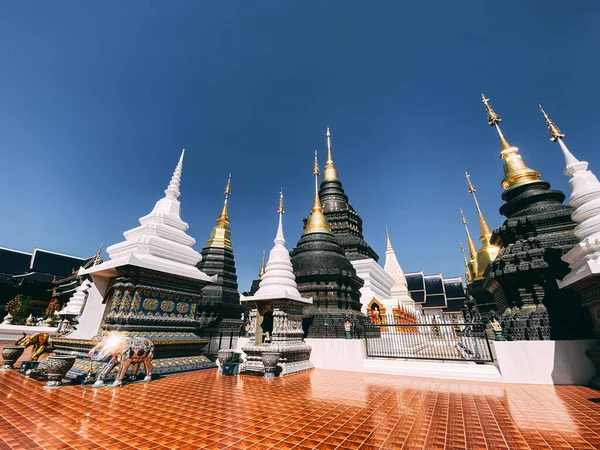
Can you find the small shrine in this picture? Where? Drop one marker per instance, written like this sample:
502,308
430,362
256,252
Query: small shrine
276,317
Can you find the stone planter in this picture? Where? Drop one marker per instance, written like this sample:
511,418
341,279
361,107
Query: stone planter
224,355
10,355
270,360
58,366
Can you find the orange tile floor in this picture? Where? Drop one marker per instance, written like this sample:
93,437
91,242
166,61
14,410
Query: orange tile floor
320,409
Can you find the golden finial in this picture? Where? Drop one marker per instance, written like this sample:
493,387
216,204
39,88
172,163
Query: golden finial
228,187
280,209
330,173
467,272
261,272
486,232
316,222
554,131
471,244
494,119
220,236
472,264
389,242
516,172
488,252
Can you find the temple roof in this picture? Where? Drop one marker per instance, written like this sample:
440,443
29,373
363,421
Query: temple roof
13,262
40,266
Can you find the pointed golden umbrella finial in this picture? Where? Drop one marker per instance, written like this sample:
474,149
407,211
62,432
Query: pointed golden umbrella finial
220,236
472,264
280,208
486,232
557,136
389,242
261,272
316,222
488,252
554,131
224,217
516,171
467,270
330,173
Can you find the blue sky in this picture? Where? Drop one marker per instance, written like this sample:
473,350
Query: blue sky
97,99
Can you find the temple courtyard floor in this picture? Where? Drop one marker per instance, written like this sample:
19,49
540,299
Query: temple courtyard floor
320,409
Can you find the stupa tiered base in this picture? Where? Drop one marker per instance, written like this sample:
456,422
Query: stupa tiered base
155,306
286,337
293,358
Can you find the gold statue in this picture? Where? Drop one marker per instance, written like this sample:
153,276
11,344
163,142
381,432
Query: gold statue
40,341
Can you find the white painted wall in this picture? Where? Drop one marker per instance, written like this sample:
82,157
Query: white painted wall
93,311
545,362
338,354
14,332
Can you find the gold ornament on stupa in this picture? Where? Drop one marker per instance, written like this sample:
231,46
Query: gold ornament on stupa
472,264
330,173
467,271
220,236
516,172
316,222
261,272
555,133
488,252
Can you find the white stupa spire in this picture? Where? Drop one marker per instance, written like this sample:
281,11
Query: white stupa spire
278,281
392,267
160,242
173,188
584,258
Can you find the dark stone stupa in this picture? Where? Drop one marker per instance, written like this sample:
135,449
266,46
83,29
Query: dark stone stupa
220,305
325,274
537,232
344,221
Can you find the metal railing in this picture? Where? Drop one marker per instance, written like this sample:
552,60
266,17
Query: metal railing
436,341
219,340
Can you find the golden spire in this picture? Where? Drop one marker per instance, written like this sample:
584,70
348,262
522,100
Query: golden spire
486,232
316,222
261,272
488,252
472,265
220,236
554,131
389,243
330,173
557,136
280,209
467,271
516,172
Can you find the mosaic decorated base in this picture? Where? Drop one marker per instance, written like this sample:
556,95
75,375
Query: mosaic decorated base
159,366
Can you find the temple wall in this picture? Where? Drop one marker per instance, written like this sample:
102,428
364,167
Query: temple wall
14,332
545,362
378,284
93,312
338,354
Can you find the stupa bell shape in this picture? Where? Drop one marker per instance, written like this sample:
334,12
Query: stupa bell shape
584,258
278,280
392,267
160,242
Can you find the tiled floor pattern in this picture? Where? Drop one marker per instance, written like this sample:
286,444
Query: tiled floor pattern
314,410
